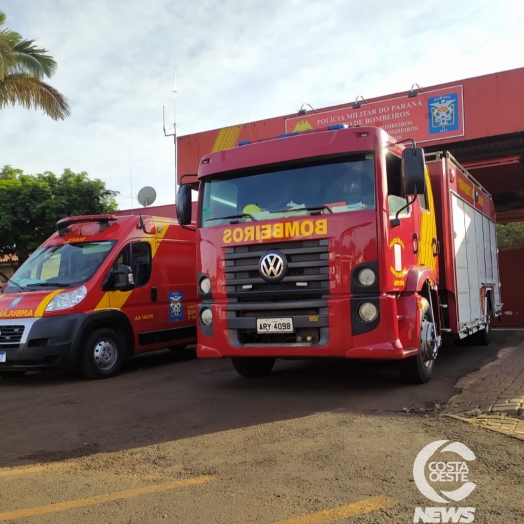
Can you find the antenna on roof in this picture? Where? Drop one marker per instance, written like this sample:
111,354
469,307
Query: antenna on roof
130,179
173,134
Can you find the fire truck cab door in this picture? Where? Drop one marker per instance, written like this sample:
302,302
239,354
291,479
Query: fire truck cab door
412,240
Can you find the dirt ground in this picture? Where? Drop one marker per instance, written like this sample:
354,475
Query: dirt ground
178,440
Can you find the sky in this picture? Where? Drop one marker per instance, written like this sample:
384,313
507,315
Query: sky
234,61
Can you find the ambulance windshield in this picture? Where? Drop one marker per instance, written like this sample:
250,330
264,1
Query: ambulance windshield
318,187
64,265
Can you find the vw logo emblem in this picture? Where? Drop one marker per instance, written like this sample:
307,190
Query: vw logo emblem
272,266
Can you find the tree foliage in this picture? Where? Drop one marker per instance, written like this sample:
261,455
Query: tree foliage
510,235
23,66
32,204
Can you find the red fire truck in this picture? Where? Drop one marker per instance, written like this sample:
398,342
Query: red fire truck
100,289
340,243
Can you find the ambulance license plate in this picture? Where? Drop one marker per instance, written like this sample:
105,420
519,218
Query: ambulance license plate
275,325
3,356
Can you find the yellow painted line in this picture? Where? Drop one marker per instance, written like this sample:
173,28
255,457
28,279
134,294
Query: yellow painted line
108,497
24,470
343,512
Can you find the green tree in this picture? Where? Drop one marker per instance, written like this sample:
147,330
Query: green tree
23,66
32,204
510,235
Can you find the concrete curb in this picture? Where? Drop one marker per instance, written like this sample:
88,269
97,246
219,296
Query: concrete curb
493,396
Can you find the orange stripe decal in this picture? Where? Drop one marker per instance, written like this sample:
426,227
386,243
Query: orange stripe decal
226,138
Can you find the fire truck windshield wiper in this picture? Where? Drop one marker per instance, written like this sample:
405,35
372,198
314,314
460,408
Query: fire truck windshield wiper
231,217
45,284
304,208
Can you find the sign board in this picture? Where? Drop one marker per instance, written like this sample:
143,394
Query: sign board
431,115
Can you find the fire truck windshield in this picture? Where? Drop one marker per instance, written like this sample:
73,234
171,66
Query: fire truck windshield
271,192
63,265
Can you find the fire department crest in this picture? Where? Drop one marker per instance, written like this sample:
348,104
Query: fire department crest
176,311
15,302
443,113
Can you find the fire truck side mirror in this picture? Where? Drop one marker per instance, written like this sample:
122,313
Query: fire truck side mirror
412,174
183,205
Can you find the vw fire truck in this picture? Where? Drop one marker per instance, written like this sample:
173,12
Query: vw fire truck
340,243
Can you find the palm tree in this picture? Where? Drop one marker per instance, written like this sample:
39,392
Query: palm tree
23,65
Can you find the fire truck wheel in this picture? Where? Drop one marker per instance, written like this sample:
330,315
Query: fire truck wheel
253,367
103,354
419,369
483,337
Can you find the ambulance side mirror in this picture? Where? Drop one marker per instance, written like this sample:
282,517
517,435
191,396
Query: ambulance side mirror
412,173
120,279
183,205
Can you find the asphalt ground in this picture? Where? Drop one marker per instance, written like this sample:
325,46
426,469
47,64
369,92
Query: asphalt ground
174,439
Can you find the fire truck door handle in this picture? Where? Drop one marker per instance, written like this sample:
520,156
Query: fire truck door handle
154,294
414,243
436,247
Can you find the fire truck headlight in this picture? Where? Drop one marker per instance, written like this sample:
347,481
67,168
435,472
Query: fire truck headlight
206,316
367,277
67,300
205,285
368,311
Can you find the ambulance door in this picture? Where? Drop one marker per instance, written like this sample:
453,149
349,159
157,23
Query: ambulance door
142,306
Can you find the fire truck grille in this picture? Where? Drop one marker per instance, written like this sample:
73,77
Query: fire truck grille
10,337
307,273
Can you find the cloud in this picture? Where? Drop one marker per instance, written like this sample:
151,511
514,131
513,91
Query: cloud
235,62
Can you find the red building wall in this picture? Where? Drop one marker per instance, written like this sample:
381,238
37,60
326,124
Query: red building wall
511,263
491,105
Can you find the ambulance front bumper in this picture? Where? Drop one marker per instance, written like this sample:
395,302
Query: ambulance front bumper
39,343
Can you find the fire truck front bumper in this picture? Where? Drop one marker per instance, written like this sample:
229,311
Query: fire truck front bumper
316,328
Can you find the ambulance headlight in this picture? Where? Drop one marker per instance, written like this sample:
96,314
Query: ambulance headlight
67,300
367,277
205,285
206,316
368,311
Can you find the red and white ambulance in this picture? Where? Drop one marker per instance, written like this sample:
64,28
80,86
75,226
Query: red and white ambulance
100,289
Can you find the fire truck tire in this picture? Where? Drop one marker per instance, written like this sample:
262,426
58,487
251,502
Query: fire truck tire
483,337
103,354
253,367
418,369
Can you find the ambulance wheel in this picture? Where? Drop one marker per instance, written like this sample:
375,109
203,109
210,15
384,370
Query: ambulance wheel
419,369
483,337
253,367
103,354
